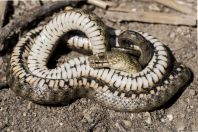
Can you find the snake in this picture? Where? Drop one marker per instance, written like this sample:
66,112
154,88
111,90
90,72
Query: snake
113,77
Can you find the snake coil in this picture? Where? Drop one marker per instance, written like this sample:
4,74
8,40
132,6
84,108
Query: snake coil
88,76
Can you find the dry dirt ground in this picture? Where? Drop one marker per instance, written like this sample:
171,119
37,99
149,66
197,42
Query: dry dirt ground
17,114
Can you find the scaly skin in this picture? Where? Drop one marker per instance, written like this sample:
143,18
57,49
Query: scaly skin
146,89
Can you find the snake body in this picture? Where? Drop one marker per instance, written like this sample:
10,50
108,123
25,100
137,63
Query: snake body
98,76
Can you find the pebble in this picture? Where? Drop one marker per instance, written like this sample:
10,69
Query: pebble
192,92
87,116
134,10
182,115
1,108
34,114
60,123
170,117
29,105
172,35
162,120
24,114
127,124
148,119
189,108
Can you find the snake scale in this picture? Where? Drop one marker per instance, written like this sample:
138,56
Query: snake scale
113,78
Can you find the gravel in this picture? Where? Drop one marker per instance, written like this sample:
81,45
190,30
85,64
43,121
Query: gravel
17,114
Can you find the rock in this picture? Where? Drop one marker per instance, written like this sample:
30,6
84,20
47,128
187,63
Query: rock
87,115
162,120
189,108
127,124
148,119
134,10
24,114
60,123
192,92
182,115
170,117
34,114
172,35
29,105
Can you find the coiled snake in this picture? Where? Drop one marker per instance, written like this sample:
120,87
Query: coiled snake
113,78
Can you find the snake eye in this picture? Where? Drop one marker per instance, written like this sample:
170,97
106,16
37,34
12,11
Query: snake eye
101,56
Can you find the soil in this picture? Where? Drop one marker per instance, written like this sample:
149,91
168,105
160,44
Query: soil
85,115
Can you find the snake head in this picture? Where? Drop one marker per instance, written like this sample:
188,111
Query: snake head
98,60
115,60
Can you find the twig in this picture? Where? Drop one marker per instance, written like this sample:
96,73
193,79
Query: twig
99,3
118,9
34,14
3,8
175,5
152,17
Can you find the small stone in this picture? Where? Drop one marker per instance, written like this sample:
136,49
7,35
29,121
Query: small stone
172,35
87,116
162,120
182,115
24,114
127,123
189,108
68,8
34,114
60,123
29,105
148,119
170,117
1,108
134,10
192,92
